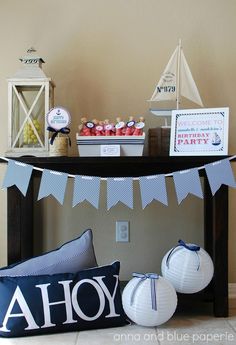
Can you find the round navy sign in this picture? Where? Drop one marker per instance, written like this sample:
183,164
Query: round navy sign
58,118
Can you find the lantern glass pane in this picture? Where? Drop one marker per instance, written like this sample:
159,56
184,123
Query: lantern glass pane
28,117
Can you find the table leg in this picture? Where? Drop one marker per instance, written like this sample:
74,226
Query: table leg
220,251
208,225
208,218
19,224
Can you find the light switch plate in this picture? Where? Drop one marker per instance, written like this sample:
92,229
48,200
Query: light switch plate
122,231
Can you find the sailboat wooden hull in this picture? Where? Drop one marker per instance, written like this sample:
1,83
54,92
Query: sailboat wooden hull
161,112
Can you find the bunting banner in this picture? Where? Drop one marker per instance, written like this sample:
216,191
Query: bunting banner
86,188
187,181
17,174
153,188
120,189
218,173
53,183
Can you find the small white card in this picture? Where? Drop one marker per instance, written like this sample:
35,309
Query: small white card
110,150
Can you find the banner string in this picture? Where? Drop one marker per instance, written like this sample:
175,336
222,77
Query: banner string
105,178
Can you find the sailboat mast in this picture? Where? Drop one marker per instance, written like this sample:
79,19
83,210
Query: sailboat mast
178,76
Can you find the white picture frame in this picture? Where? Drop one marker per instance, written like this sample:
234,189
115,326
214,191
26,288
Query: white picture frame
199,132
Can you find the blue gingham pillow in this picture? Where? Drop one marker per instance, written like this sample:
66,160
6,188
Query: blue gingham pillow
71,257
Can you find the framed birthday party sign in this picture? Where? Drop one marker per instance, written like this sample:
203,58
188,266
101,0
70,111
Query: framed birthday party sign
199,132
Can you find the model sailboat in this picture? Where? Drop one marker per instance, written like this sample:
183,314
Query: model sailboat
176,82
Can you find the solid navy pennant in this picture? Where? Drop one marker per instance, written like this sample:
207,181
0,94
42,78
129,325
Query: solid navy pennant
219,173
187,181
119,189
86,188
153,188
54,183
18,174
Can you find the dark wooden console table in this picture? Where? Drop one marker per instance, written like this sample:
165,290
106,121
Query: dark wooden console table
20,208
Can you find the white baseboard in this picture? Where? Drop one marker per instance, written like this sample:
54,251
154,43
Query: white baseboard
232,295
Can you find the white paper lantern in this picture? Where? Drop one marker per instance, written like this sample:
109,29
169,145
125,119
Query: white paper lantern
188,270
149,305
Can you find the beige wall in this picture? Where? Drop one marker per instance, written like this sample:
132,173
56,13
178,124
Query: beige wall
105,57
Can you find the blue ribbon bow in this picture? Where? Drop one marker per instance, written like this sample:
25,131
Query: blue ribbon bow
192,247
64,130
142,277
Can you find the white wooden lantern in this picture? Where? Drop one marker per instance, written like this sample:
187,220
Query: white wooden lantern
30,96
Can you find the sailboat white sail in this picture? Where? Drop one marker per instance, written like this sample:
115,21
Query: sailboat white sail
176,82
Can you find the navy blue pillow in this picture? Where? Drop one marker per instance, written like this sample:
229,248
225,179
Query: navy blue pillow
89,299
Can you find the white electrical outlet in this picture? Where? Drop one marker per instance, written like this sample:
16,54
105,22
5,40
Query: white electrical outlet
122,231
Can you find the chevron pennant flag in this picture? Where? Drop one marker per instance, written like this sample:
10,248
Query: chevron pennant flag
53,183
86,188
187,181
219,173
119,189
153,188
17,174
